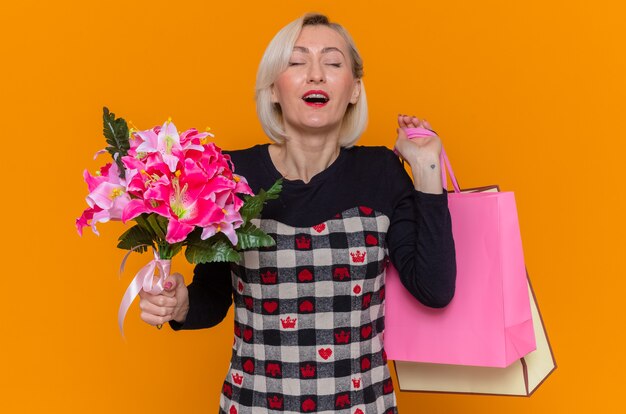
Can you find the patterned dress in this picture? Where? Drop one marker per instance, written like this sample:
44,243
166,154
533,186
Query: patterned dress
309,312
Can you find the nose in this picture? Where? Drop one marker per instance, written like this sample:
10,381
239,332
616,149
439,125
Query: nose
316,73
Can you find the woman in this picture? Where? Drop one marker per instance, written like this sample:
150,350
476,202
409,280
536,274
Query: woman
309,313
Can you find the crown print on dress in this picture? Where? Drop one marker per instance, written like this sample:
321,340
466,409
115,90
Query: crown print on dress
358,256
358,411
273,369
237,378
269,277
233,410
307,371
341,273
275,402
288,323
303,242
356,382
342,337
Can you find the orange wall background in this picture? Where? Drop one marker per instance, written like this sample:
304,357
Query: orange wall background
529,95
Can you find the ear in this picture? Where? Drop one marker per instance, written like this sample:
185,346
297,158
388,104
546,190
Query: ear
356,92
273,97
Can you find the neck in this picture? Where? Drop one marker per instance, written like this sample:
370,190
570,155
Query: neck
301,158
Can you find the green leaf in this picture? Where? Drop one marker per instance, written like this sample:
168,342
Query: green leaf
115,131
158,224
254,204
141,220
212,250
134,237
275,190
251,237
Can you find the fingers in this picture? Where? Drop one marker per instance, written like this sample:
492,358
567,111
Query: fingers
406,121
154,314
157,309
172,283
154,309
160,300
401,123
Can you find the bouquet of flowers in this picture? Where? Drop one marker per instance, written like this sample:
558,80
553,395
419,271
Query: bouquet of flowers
181,192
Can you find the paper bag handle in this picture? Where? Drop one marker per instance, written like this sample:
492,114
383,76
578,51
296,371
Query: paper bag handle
413,133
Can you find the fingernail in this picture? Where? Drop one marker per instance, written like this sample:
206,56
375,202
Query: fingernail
168,285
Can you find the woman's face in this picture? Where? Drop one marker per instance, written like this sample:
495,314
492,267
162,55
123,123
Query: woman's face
317,86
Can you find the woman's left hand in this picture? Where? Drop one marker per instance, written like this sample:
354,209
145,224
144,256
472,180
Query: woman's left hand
416,151
422,154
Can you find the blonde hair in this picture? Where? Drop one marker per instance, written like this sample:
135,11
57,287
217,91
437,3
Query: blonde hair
276,59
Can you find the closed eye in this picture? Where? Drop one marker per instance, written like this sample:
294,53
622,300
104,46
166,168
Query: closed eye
295,63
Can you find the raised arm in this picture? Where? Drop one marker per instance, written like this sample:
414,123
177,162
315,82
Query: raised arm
419,238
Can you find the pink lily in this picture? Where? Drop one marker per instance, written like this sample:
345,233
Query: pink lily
224,227
179,227
230,204
188,205
166,142
242,186
107,198
194,140
153,194
83,220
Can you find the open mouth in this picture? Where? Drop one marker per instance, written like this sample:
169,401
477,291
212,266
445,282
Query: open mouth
315,98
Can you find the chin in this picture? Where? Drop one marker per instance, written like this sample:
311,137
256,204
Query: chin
321,123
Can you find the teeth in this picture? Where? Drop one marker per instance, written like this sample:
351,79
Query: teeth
315,97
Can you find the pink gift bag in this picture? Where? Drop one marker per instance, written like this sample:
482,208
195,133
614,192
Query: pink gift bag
489,322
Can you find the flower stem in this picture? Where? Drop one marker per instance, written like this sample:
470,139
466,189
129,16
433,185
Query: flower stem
168,251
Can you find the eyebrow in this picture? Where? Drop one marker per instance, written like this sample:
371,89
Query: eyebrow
325,50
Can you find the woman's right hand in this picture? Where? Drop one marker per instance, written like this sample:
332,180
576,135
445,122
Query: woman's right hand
171,304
